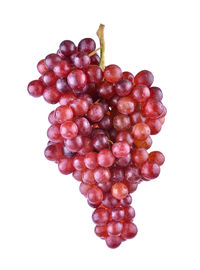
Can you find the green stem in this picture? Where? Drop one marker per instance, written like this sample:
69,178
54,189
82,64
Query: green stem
110,141
100,34
92,53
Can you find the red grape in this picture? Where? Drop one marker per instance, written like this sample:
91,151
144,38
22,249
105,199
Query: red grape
84,126
49,78
144,77
129,230
101,231
125,136
109,201
51,60
80,106
95,59
67,47
77,175
106,90
124,161
105,187
69,130
81,60
144,144
128,76
156,93
84,188
137,117
65,165
100,142
155,125
117,174
150,170
62,86
95,195
51,95
121,122
119,190
53,152
132,187
41,67
94,74
78,163
53,133
62,69
105,123
126,201
141,131
132,174
36,88
157,157
114,228
120,149
87,146
67,98
139,156
102,175
91,160
113,73
123,88
141,93
95,113
63,113
129,213
100,216
88,177
126,105
113,241
105,158
77,79
75,144
153,108
87,45
117,213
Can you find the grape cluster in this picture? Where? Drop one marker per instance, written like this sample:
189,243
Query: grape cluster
101,131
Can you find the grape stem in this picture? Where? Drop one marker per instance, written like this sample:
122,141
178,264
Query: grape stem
97,101
92,53
100,34
110,141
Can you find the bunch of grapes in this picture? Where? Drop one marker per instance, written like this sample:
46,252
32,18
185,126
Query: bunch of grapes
101,131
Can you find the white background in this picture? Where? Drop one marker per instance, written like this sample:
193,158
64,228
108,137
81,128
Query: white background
45,223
